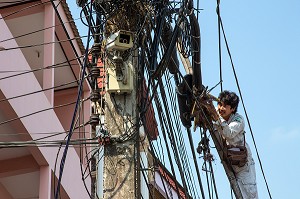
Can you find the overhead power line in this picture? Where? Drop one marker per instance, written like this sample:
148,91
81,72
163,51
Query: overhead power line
58,65
33,113
48,143
240,93
63,159
24,9
42,44
37,31
39,91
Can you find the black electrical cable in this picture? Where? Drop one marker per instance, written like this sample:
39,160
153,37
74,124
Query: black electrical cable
173,105
68,37
65,55
88,16
213,181
195,161
178,133
210,166
42,44
57,154
154,151
85,146
172,139
74,115
40,133
144,99
58,65
240,93
33,113
51,134
142,168
162,121
54,173
29,71
9,2
47,143
166,57
207,179
196,101
90,159
87,169
178,139
37,31
220,46
39,91
24,9
74,145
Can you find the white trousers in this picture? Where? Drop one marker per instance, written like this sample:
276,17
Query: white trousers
246,177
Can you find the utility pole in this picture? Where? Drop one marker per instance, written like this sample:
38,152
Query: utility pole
120,123
115,165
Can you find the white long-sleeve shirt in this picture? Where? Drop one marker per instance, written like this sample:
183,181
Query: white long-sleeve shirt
233,131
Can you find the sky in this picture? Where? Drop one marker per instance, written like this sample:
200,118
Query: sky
264,41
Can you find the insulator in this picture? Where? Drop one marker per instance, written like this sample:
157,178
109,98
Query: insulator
95,72
95,96
91,65
94,119
96,49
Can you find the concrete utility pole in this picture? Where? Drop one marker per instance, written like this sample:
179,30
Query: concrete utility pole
116,168
116,163
117,173
120,119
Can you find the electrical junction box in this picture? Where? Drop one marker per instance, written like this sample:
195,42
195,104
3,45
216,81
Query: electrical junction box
116,84
121,40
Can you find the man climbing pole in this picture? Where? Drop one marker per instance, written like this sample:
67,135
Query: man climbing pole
231,125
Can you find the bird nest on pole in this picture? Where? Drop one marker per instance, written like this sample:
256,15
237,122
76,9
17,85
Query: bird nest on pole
126,15
204,111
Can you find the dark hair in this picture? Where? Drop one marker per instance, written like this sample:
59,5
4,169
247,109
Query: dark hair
229,98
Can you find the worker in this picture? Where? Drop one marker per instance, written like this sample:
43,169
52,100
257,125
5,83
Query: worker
231,126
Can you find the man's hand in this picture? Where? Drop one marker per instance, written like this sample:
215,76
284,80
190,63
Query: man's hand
219,124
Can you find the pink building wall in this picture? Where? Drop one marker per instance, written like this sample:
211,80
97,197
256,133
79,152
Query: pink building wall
38,161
